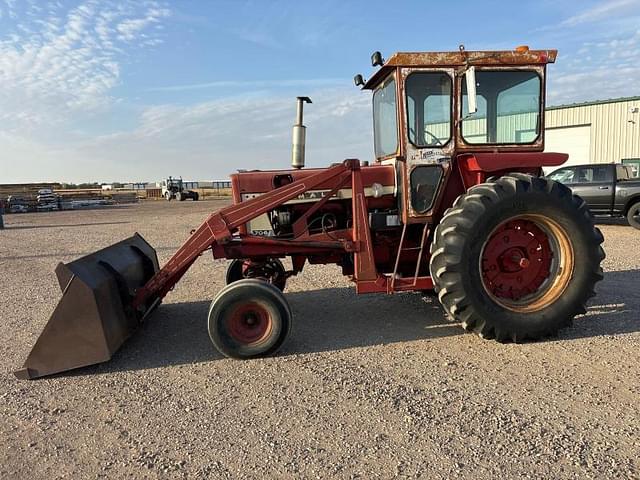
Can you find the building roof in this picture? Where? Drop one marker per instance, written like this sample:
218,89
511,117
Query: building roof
593,102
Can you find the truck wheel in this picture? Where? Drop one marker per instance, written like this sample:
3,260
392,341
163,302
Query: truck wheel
271,271
516,258
196,196
179,196
167,195
633,215
249,318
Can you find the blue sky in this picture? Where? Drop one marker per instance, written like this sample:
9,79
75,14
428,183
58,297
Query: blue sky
139,90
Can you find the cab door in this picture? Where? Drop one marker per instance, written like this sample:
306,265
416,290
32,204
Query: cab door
428,136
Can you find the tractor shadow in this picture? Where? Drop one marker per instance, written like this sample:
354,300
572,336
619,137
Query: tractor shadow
337,319
613,311
324,320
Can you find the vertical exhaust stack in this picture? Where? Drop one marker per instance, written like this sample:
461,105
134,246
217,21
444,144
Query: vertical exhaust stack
299,135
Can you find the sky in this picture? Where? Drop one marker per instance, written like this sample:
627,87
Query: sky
137,90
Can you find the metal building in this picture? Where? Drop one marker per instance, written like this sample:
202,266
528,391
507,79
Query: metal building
596,132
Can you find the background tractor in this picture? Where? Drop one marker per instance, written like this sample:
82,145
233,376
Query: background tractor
173,188
454,203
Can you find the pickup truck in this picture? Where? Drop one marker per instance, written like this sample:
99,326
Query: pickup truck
609,189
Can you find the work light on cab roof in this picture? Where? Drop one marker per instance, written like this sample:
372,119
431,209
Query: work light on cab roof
452,202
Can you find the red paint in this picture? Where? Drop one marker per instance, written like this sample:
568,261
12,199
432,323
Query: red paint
249,323
516,259
493,162
262,181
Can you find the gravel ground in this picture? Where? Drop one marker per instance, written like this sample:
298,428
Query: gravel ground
366,386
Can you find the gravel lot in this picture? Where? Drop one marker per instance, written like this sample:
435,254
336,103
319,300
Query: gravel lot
366,386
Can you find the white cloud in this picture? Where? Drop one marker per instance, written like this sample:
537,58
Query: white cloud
603,69
130,28
602,11
210,140
260,84
58,66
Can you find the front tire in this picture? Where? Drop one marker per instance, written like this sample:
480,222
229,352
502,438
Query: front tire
516,258
249,318
633,215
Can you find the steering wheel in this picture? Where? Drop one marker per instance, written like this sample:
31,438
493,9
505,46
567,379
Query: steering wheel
412,134
437,140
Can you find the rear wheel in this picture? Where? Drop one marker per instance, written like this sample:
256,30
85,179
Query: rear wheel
196,196
271,271
633,215
516,258
249,318
179,196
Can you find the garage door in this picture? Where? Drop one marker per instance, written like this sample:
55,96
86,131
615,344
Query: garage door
576,141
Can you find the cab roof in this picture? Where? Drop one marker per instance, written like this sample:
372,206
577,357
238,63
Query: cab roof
521,56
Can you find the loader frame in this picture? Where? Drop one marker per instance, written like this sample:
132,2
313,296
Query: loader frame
219,232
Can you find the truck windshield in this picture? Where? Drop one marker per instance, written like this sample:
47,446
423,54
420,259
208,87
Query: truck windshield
508,108
385,123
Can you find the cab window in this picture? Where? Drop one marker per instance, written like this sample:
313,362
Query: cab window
508,108
424,186
428,108
385,121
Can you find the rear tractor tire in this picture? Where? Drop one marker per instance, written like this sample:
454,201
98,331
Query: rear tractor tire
633,215
249,318
516,258
271,271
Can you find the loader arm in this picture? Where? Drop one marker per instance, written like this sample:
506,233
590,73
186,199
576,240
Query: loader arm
220,226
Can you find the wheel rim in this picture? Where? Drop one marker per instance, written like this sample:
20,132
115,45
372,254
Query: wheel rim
526,263
250,323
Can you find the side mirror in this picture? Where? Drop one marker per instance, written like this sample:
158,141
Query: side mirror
470,77
358,80
377,60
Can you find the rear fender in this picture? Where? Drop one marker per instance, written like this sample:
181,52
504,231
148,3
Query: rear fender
476,167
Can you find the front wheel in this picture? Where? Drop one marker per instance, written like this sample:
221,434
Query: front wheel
249,318
516,258
167,196
633,215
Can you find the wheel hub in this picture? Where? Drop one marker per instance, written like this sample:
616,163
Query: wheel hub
516,260
250,323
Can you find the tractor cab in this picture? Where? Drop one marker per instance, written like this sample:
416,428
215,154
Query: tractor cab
431,107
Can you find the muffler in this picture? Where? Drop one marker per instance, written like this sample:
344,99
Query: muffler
95,314
299,134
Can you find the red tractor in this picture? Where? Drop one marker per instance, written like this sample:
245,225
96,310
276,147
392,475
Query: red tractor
455,203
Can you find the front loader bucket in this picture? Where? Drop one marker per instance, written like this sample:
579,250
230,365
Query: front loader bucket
94,316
